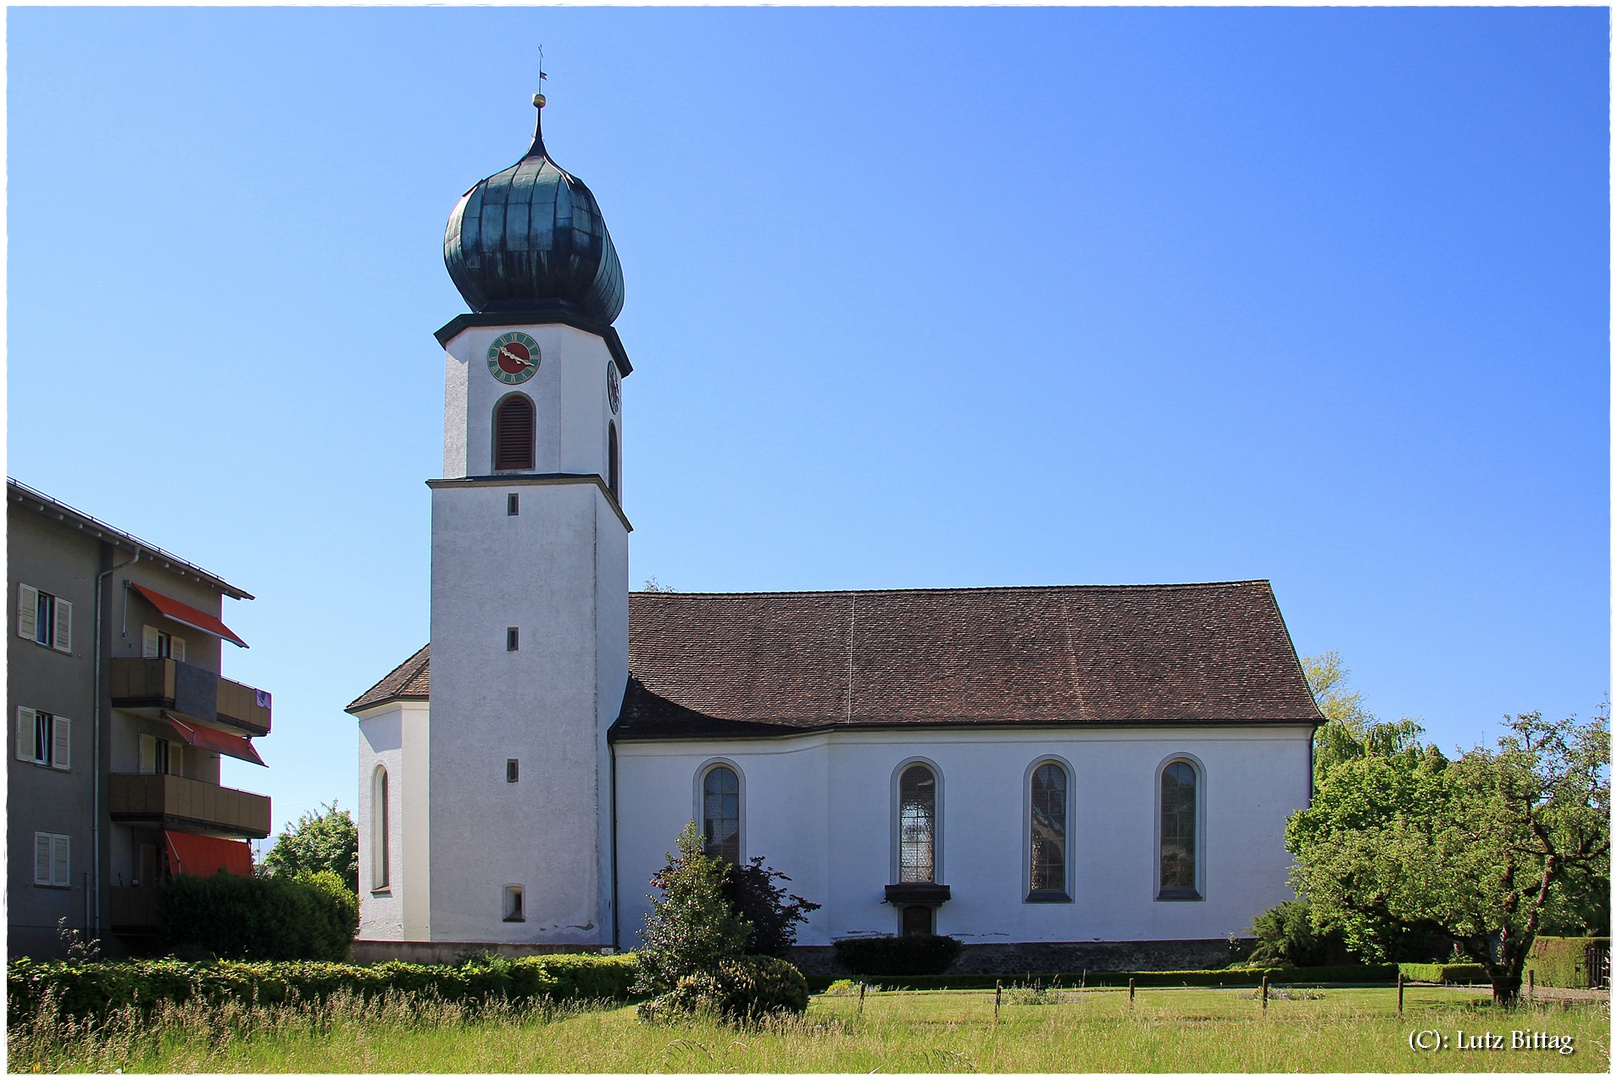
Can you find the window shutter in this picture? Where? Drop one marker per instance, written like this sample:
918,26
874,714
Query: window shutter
60,865
25,734
27,610
148,754
62,744
148,642
176,759
42,858
63,638
176,648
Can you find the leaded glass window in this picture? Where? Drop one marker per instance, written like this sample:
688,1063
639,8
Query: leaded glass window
721,814
917,824
1048,832
1178,832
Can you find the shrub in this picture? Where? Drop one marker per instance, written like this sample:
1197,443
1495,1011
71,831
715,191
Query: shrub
692,927
912,954
744,989
1286,935
312,916
752,891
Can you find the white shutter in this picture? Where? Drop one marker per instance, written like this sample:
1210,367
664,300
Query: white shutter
148,642
176,759
62,743
176,648
60,867
42,858
148,754
62,640
27,610
25,734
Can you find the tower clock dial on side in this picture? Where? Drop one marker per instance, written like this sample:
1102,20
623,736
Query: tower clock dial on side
513,358
614,389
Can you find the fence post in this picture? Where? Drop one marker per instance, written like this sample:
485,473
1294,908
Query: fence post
996,1000
1400,993
861,997
1265,991
1131,992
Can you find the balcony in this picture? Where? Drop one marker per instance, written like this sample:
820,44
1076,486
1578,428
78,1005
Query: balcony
174,802
133,909
139,683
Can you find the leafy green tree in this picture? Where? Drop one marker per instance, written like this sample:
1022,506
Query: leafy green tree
1481,852
324,841
692,927
773,912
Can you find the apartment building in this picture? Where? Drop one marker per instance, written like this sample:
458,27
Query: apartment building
121,715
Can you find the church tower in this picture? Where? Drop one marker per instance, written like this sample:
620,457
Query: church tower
530,571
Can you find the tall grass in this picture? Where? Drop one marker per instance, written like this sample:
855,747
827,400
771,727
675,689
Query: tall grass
1093,1031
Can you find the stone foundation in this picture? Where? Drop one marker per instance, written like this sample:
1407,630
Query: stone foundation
447,952
1074,956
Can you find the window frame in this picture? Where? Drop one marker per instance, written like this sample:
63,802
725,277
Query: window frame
700,816
381,820
1047,896
49,614
896,827
1198,893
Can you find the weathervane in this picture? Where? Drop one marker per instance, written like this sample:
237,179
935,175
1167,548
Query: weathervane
539,98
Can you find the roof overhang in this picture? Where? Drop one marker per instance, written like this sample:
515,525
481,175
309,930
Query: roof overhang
452,329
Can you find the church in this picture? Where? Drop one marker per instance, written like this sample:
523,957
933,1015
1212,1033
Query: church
1059,776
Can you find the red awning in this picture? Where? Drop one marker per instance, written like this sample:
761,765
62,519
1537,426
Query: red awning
207,738
190,616
205,856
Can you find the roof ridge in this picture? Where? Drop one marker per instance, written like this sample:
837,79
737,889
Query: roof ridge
960,589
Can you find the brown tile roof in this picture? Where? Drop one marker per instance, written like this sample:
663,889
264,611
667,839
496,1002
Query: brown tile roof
408,680
775,663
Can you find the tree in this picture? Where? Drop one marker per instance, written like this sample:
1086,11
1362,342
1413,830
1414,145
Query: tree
1480,852
325,841
751,890
691,928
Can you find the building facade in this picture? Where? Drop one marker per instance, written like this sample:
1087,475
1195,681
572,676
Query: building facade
120,716
1047,768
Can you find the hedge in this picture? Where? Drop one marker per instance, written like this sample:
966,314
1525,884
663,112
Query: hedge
1445,973
1342,973
96,988
312,916
1560,961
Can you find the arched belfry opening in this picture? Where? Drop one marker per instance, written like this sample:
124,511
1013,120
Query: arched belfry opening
513,433
614,463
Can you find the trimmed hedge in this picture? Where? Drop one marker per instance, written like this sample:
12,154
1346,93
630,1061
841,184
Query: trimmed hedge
312,916
911,954
1445,973
1559,961
96,988
1342,973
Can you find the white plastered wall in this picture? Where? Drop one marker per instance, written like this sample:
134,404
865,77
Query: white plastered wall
819,808
394,737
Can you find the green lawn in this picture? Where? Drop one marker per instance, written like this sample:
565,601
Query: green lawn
1337,1030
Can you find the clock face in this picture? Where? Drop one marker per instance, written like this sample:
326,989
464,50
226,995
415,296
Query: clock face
513,358
614,389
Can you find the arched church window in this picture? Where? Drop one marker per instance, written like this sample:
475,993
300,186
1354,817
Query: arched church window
1178,833
613,480
917,824
513,433
721,814
379,823
1047,833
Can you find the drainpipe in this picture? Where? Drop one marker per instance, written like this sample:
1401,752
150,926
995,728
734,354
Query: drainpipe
95,783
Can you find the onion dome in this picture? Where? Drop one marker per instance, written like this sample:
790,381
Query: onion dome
531,238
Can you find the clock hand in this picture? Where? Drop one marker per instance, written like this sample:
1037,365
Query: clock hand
513,356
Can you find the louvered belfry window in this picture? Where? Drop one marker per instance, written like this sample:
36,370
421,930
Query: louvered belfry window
513,434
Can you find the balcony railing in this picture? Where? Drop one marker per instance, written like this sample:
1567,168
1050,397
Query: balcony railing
175,802
139,683
239,705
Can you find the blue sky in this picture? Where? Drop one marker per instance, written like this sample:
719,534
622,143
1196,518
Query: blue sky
915,298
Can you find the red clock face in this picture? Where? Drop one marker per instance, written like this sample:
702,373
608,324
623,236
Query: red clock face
514,358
